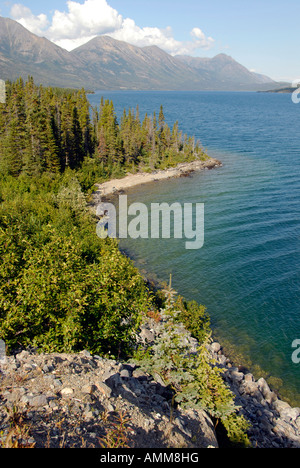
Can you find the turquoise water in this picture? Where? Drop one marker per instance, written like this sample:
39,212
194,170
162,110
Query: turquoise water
247,274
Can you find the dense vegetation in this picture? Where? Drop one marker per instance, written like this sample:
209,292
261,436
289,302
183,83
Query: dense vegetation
61,287
49,130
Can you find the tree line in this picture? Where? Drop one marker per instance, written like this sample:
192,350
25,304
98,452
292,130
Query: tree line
44,129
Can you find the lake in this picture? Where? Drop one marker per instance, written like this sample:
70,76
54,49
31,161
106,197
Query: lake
248,272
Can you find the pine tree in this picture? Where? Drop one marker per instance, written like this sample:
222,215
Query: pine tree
11,156
109,130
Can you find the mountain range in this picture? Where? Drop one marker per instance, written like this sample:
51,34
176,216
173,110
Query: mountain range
105,63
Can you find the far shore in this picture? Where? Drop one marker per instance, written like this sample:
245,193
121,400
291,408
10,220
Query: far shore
132,180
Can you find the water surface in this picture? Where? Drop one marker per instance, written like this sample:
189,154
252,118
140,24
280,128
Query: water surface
247,274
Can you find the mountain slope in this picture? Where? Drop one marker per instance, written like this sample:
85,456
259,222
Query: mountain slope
121,65
105,63
23,53
225,73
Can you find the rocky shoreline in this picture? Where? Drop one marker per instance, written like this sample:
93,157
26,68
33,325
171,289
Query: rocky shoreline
78,400
132,180
84,401
274,422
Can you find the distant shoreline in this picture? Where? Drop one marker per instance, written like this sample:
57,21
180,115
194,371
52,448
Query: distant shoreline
114,186
288,90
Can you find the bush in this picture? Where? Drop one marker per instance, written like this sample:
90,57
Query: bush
62,288
194,377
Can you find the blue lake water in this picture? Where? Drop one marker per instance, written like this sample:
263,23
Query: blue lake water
248,272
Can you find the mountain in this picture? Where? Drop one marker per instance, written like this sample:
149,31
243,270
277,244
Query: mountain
105,63
118,65
224,73
23,53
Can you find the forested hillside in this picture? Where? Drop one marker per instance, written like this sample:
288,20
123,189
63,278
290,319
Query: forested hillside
62,288
49,130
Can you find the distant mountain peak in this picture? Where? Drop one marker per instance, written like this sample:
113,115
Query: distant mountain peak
106,63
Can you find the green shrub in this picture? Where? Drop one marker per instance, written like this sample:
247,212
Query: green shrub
194,377
61,287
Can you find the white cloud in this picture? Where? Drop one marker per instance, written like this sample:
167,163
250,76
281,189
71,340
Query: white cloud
36,24
82,22
201,40
142,37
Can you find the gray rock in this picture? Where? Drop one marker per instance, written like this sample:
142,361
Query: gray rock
263,387
86,354
249,378
35,401
251,388
67,391
88,389
23,355
281,406
147,336
104,389
236,376
215,347
114,381
290,414
125,374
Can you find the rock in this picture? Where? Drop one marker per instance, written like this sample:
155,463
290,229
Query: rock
88,389
38,401
215,347
263,386
290,414
114,381
249,378
222,360
281,406
146,335
69,398
140,375
236,376
23,355
86,354
67,391
104,389
125,374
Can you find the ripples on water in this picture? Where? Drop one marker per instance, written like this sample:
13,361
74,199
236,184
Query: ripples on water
247,273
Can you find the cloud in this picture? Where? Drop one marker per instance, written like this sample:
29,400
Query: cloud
36,24
82,22
201,40
163,38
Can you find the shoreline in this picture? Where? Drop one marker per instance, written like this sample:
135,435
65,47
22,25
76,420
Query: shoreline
114,186
274,418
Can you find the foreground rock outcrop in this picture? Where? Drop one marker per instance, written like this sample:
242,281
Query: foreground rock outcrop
80,400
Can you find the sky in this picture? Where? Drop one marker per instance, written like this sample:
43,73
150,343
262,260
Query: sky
262,35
